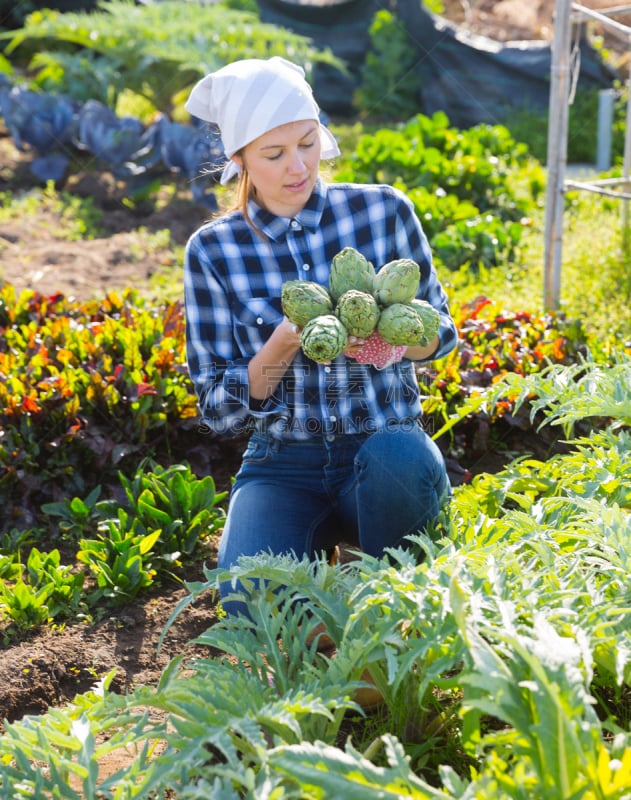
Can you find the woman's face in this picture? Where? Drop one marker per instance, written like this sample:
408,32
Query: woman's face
283,166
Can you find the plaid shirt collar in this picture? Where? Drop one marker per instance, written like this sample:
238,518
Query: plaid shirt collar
308,217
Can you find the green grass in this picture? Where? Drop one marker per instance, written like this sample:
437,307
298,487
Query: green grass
69,217
595,270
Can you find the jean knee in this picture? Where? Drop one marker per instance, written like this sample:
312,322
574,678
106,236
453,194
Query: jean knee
409,452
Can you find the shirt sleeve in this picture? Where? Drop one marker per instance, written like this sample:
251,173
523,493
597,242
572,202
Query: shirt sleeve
217,368
411,242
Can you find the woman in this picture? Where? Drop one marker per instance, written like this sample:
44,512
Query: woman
337,451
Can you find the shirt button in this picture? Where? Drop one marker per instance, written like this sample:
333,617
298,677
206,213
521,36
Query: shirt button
332,417
259,320
329,438
327,369
306,267
295,224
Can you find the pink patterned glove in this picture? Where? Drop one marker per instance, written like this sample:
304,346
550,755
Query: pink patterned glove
378,353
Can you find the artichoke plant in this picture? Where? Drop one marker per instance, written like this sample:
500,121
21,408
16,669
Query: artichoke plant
350,270
359,311
303,300
400,324
429,316
397,282
323,338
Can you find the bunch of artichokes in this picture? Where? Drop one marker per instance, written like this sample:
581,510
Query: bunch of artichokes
357,302
303,300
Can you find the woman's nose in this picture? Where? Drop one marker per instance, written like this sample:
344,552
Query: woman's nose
296,162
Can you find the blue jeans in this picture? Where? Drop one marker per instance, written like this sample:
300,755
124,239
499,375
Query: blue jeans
369,490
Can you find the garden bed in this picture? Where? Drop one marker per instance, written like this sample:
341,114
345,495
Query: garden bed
51,666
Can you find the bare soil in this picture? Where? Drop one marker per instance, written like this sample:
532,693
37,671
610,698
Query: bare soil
514,20
51,667
128,252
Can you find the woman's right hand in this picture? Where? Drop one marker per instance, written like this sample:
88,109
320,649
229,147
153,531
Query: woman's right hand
289,332
267,367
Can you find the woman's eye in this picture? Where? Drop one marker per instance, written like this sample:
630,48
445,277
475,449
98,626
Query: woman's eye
302,145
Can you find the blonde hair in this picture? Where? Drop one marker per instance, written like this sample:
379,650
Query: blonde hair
246,190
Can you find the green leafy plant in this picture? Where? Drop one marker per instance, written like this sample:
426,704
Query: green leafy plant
152,50
127,546
10,567
475,165
184,508
25,606
121,558
66,584
168,511
12,542
459,182
569,395
390,86
477,243
76,517
44,592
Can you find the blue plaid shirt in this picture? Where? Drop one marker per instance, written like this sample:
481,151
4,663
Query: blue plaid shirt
233,279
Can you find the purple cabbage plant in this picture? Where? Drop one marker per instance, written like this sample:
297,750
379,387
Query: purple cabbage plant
196,153
117,141
46,122
129,149
137,154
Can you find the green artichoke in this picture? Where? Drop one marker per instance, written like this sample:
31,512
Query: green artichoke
400,324
323,338
430,318
303,300
397,282
359,311
350,270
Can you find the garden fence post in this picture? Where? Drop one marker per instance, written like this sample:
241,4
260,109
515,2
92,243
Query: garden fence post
626,169
557,154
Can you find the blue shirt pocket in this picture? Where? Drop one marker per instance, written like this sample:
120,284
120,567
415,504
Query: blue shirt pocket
254,322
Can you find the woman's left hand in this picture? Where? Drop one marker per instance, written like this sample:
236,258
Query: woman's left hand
354,346
375,351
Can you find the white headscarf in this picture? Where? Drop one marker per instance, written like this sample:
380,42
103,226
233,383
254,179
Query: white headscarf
248,98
